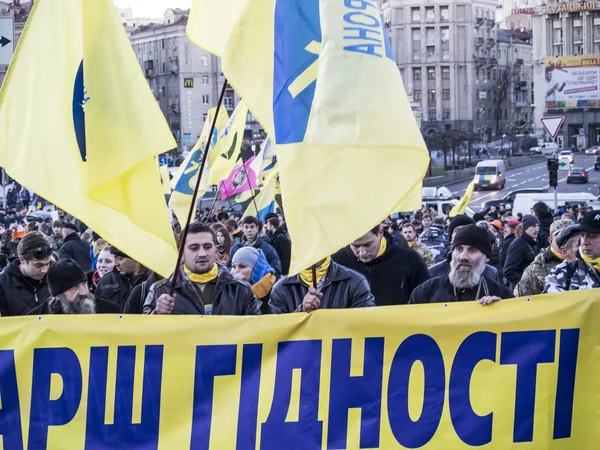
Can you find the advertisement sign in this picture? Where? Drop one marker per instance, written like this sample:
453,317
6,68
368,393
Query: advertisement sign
572,82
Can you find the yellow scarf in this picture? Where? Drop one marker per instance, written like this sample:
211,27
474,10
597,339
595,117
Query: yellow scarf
558,255
595,263
263,287
202,278
306,275
412,243
236,231
383,247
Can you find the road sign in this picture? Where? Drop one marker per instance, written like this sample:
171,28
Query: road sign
7,40
552,124
563,165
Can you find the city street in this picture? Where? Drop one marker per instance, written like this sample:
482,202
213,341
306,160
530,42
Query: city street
533,176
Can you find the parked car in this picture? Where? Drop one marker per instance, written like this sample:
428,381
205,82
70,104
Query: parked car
509,198
594,150
578,174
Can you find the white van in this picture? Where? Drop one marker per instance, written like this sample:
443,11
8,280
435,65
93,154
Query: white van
546,148
490,174
524,202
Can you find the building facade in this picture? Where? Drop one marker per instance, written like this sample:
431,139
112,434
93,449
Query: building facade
19,11
566,68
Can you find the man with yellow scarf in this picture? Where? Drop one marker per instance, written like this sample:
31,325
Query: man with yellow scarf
584,272
410,234
337,288
203,286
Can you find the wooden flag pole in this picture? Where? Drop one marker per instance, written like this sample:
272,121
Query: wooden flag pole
195,195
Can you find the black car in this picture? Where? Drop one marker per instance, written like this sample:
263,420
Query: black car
578,174
597,163
509,198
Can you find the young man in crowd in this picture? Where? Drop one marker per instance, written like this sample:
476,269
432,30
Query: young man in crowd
522,251
234,231
74,248
466,281
203,287
410,234
68,285
280,241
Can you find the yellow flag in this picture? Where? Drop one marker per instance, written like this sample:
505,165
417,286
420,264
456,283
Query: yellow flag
80,127
265,200
184,182
461,206
165,179
321,78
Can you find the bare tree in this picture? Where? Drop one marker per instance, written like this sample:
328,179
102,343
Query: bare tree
501,90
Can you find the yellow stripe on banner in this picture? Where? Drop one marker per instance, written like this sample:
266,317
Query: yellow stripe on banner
438,376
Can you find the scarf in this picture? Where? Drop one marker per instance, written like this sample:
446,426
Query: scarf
202,278
383,247
558,255
96,278
306,275
595,263
412,243
263,287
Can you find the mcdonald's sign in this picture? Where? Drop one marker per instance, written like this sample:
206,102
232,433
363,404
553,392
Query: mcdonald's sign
188,82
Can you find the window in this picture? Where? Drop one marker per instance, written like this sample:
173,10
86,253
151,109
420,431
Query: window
577,34
204,117
430,50
432,115
205,80
597,32
163,68
431,96
417,74
228,101
162,41
417,54
445,73
429,14
416,37
444,13
416,14
558,36
204,60
431,73
446,114
417,96
446,94
445,32
205,99
445,55
430,35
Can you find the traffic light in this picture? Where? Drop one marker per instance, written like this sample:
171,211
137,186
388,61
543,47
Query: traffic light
560,142
553,172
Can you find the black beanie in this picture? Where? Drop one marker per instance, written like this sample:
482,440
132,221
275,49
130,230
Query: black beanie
475,237
459,221
530,221
64,275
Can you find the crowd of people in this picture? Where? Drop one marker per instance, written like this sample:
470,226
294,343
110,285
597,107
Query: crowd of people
235,266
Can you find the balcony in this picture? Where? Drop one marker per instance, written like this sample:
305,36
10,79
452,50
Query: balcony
522,104
493,61
491,23
478,41
149,72
479,21
521,85
480,61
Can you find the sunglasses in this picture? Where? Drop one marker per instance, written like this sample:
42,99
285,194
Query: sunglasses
41,252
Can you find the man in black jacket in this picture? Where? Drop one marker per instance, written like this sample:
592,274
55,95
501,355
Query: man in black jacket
68,286
337,288
117,285
466,280
522,251
542,211
203,287
510,234
23,284
74,248
280,242
392,272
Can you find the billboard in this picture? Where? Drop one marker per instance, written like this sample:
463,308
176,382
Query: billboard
572,82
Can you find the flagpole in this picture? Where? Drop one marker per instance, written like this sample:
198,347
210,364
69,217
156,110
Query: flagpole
251,188
215,201
195,196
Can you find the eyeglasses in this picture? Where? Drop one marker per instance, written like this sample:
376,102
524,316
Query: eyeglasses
41,252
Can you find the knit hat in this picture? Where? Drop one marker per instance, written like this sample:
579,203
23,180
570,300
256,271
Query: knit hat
64,275
513,224
559,225
247,256
475,237
459,221
529,221
497,224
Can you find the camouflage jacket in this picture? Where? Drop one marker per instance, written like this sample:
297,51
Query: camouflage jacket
534,277
424,253
572,276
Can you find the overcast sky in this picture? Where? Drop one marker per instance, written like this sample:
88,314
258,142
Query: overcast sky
152,8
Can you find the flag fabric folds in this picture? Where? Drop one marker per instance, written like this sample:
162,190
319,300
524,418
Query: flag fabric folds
461,206
80,126
264,202
184,182
241,179
265,161
321,78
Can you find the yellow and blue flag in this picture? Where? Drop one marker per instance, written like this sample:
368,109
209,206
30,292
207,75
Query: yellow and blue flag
264,202
80,126
184,182
321,78
265,161
461,206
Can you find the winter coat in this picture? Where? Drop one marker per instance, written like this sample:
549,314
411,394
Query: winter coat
50,307
20,294
572,276
424,253
283,247
542,239
440,290
436,238
442,269
521,253
230,297
399,239
504,251
135,302
77,250
534,277
116,288
342,288
393,276
268,250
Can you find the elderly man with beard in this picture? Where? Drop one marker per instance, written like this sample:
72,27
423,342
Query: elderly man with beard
466,281
68,286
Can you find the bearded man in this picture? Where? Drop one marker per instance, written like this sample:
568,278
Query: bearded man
466,280
70,294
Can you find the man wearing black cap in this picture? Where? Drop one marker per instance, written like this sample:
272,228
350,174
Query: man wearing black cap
279,240
466,280
116,286
74,248
70,293
522,251
23,283
443,268
584,272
